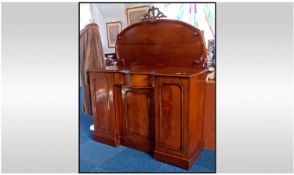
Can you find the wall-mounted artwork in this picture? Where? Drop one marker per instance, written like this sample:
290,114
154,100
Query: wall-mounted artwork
113,29
136,14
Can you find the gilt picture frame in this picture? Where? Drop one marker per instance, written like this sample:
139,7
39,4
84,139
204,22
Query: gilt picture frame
136,14
113,29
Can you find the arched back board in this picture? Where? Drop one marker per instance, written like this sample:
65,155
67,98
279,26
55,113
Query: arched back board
161,43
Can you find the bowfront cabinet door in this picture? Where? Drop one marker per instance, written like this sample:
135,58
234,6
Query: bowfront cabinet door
137,118
171,116
103,109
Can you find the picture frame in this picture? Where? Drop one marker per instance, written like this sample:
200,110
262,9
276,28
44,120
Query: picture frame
136,14
113,29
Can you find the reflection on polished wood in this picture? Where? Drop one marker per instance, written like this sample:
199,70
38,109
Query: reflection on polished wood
154,99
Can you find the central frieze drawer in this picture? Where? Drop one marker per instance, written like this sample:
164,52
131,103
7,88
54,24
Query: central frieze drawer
138,80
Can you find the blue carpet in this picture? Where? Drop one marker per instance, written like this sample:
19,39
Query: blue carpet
98,157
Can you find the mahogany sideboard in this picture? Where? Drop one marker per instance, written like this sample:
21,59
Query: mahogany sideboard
153,100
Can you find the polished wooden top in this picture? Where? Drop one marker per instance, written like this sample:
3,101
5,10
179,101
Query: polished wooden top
163,43
167,71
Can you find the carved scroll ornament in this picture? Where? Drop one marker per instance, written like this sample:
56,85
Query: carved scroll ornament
153,14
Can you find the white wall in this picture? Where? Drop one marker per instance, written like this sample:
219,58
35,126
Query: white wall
101,21
85,15
98,18
123,20
132,5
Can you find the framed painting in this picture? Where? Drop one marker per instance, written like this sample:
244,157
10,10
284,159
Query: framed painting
113,29
136,14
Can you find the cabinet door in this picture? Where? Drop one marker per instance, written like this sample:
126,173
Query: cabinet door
171,115
137,118
102,105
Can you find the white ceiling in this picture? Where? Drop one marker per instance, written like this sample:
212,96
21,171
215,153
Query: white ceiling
111,10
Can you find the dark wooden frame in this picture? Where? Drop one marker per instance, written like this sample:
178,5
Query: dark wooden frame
107,30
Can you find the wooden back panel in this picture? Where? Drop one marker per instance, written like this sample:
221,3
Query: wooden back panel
161,43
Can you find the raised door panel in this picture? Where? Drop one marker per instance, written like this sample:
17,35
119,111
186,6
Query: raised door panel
138,116
170,119
102,104
170,115
102,119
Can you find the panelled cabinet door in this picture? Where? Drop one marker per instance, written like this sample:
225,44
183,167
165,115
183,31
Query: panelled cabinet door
102,105
137,118
171,115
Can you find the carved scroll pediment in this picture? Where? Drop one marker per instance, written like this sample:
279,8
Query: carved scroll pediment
153,14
